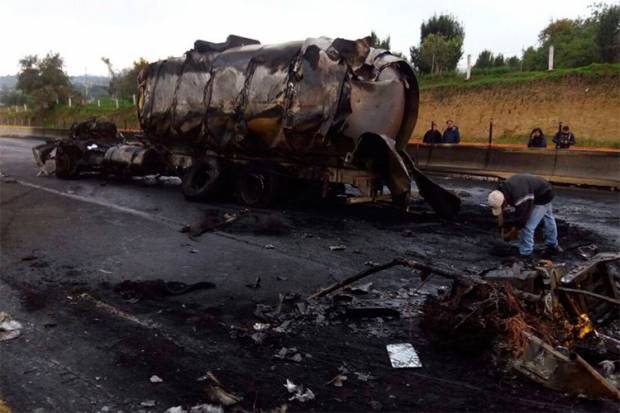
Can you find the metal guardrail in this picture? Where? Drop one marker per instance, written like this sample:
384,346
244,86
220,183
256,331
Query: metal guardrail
578,166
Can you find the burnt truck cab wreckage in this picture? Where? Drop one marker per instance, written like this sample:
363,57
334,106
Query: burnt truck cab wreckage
262,119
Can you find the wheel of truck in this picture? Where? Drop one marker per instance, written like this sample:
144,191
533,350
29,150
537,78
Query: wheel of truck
202,181
255,185
66,163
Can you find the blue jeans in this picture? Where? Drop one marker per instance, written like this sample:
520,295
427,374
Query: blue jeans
526,238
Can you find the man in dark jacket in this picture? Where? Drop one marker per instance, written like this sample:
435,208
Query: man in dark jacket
531,197
564,138
432,135
451,133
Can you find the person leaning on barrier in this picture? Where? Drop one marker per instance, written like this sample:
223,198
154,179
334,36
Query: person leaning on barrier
564,138
537,139
432,135
451,133
531,198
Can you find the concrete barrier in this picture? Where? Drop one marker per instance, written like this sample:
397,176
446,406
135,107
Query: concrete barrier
595,167
579,167
33,132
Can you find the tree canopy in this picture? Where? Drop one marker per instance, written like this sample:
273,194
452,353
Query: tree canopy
441,45
44,80
378,43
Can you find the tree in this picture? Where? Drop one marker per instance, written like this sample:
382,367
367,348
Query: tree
534,59
124,84
378,43
441,45
437,54
485,60
607,35
445,25
513,62
498,60
44,80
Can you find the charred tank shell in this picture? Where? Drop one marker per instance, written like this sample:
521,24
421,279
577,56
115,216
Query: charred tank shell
312,96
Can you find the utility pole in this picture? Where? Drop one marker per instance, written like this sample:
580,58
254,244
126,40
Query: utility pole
551,57
85,83
468,67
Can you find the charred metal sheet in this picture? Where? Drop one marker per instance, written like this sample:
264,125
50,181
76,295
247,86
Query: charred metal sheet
295,98
567,373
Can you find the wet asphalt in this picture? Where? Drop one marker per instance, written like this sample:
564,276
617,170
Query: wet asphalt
60,240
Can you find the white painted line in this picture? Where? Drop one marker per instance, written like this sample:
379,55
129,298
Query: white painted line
169,222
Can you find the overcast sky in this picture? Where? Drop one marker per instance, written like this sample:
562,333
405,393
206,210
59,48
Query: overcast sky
84,30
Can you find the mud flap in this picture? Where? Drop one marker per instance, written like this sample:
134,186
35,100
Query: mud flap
443,202
379,151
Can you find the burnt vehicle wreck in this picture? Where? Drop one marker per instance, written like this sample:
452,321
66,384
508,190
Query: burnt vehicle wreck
253,119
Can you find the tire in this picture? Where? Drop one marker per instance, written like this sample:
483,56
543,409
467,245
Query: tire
67,162
256,185
202,181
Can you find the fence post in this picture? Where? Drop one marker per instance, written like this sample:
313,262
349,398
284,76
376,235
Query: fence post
468,67
116,102
551,50
69,101
133,97
98,103
491,132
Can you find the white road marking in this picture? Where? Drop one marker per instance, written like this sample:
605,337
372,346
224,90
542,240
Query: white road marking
169,222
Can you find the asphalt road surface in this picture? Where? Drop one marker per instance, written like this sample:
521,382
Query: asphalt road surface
66,246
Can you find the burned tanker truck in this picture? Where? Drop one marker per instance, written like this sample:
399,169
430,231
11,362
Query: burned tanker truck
261,120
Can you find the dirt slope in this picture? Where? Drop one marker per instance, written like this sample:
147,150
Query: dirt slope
589,104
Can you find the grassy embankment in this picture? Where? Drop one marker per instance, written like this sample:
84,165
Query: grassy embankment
495,77
62,116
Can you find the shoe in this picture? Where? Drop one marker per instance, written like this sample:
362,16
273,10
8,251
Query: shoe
554,250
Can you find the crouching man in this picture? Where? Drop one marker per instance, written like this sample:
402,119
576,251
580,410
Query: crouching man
531,197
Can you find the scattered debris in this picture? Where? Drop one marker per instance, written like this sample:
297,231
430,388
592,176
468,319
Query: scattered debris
539,329
148,403
261,326
337,247
157,289
425,270
206,408
587,251
363,376
338,381
156,379
175,409
213,220
272,225
255,285
9,328
403,355
361,288
289,354
371,312
217,393
300,394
